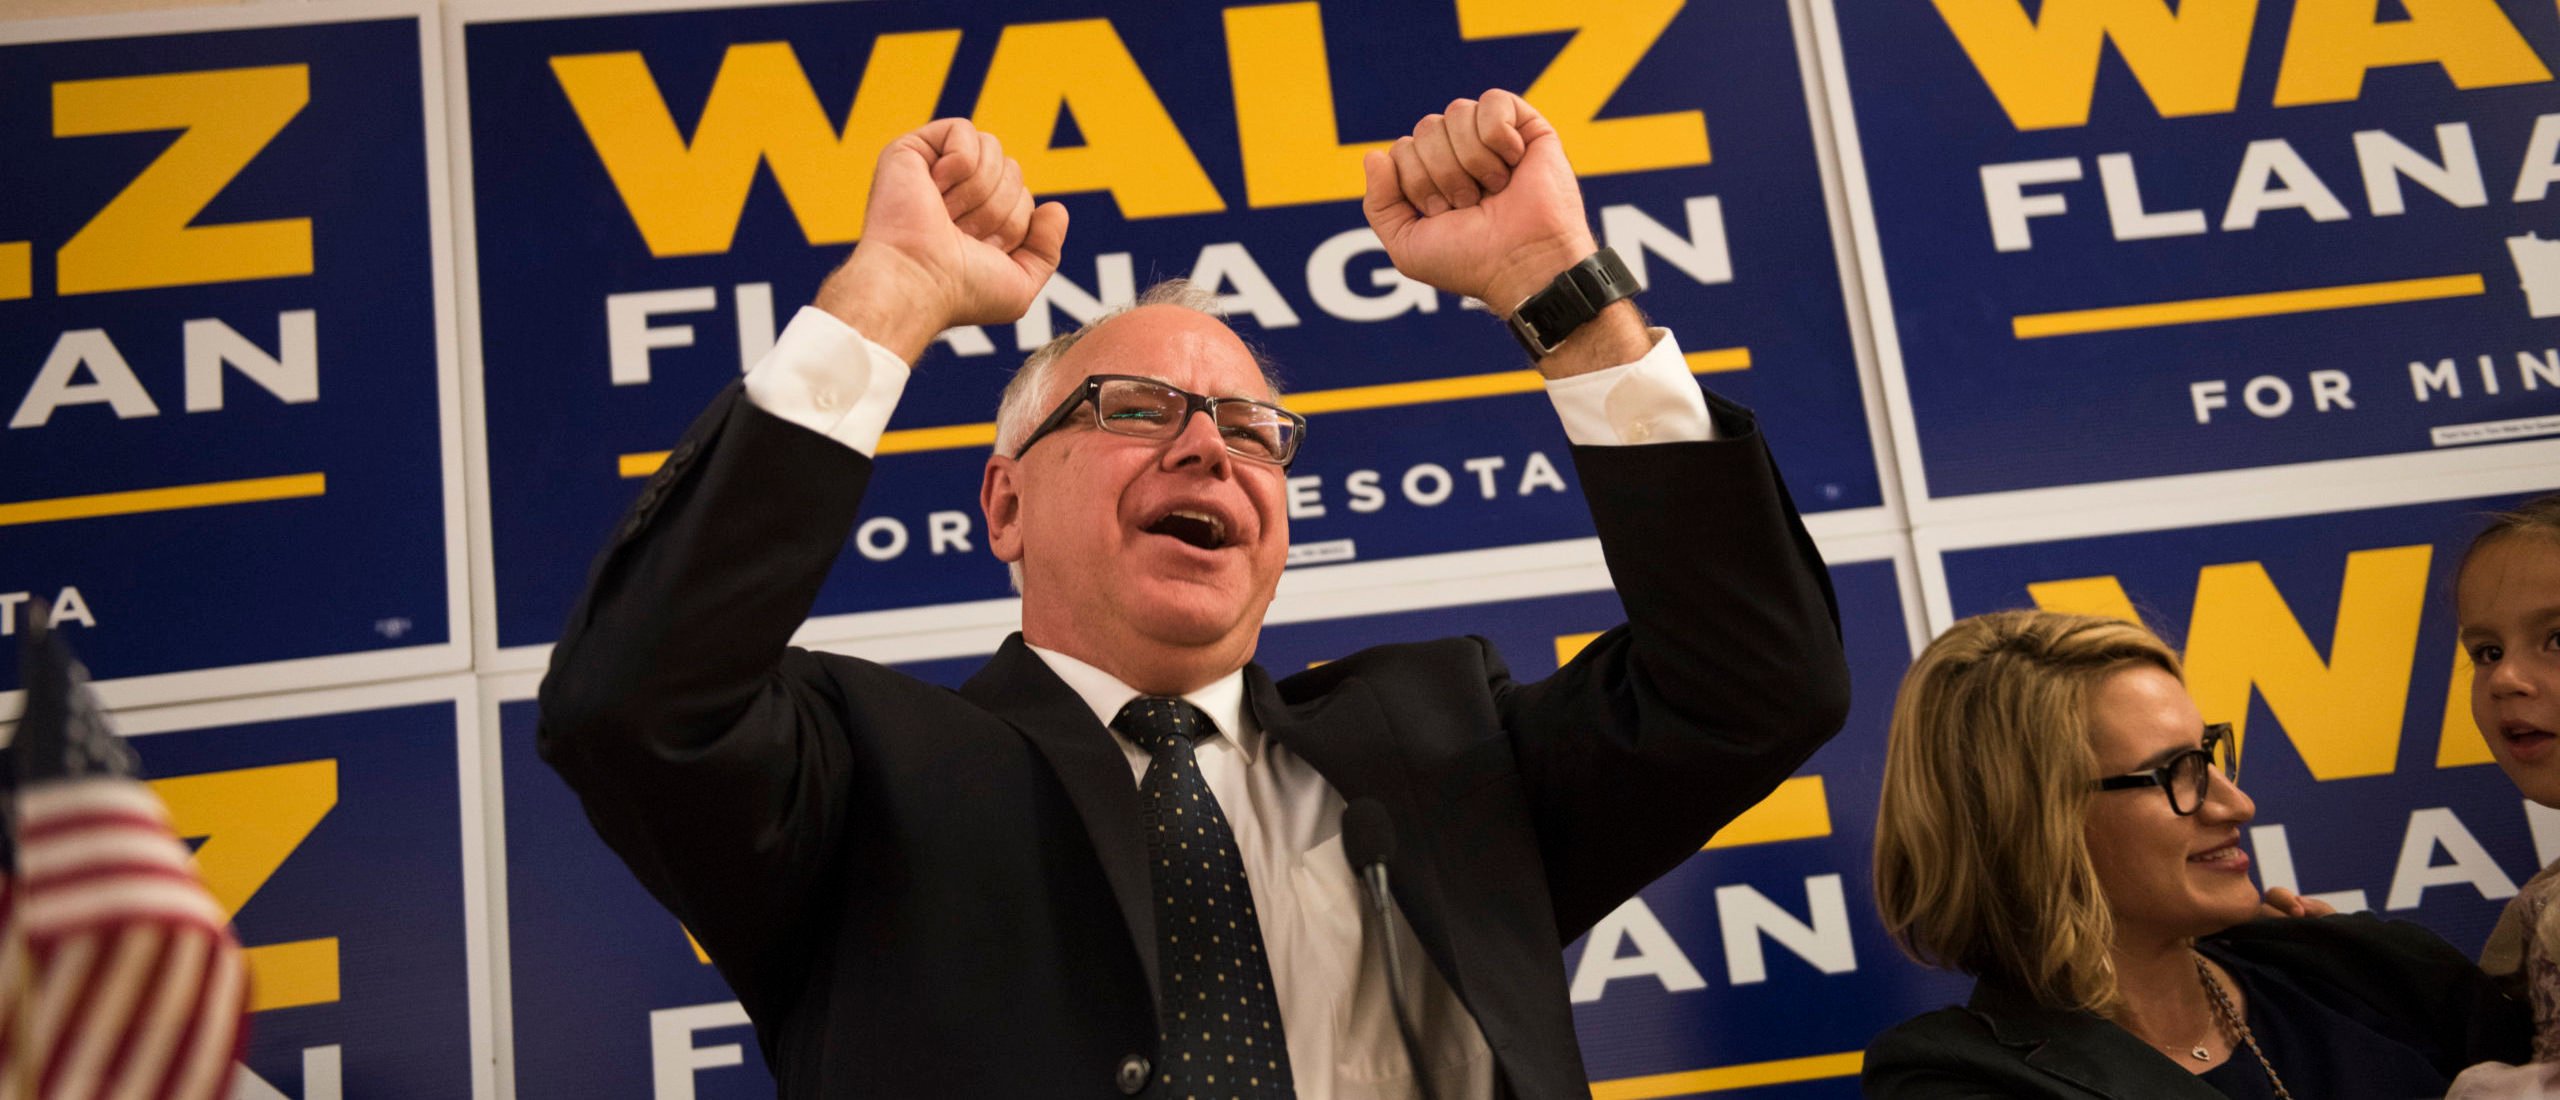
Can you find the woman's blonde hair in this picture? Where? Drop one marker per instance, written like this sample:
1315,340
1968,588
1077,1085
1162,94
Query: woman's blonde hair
1982,856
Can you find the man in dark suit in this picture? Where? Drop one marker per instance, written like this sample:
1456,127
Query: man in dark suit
1111,864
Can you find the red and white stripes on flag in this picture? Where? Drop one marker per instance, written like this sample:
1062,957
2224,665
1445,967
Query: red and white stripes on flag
122,978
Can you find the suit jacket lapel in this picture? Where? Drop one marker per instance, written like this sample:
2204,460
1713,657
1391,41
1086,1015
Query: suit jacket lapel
1340,734
2081,1048
1018,687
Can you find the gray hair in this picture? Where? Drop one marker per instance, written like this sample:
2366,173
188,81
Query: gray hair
1019,410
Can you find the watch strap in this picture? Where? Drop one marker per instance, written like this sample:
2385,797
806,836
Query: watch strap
1571,301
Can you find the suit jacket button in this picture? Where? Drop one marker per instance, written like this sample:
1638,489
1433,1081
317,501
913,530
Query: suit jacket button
1133,1075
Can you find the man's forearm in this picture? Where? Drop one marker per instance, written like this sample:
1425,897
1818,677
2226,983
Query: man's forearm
886,298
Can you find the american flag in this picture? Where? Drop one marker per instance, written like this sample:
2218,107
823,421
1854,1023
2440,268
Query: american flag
119,975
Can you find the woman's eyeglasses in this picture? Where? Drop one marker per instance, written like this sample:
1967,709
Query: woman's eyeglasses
2186,776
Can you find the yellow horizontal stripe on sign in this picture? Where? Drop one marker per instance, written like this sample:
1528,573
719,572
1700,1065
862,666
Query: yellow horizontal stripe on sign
171,499
641,464
1429,391
1311,403
956,436
1747,1075
1718,361
1501,383
291,975
1798,810
2030,326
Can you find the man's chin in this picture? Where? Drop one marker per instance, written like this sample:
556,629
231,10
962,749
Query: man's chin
1188,628
1181,613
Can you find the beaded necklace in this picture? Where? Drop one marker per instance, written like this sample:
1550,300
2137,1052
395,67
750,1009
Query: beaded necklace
2235,1027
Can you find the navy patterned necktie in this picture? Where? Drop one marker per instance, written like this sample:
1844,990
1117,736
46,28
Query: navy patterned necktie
1221,1019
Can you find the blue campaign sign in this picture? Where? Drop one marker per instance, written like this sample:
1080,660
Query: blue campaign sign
2329,641
2110,241
334,827
653,194
224,364
1759,963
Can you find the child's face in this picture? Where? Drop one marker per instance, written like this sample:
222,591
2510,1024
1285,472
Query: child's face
2508,600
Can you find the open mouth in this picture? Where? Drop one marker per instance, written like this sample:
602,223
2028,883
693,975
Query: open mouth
2519,735
1197,529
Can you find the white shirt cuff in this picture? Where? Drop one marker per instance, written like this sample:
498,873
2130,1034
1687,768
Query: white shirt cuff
1651,400
830,379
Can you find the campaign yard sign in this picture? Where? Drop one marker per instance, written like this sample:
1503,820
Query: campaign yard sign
338,830
232,436
2111,240
652,194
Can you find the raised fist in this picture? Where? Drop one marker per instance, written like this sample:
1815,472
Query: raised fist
1479,201
951,237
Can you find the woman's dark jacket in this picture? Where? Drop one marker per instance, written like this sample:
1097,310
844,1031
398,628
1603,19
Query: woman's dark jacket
2399,977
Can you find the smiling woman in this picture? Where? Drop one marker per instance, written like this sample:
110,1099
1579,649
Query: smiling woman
2059,821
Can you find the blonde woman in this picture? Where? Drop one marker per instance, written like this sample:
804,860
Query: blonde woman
2060,822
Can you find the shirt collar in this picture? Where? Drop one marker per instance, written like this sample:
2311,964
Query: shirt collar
1221,699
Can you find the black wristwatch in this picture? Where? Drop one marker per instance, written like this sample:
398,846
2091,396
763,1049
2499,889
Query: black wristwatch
1571,301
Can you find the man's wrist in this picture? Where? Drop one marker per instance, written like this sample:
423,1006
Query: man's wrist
1617,336
1533,271
888,299
1574,299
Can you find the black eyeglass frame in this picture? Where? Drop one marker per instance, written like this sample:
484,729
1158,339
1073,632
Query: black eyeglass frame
2217,736
1091,391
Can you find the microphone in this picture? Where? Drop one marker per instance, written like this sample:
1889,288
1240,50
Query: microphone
1369,839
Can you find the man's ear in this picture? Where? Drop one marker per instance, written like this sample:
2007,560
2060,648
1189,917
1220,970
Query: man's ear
1000,497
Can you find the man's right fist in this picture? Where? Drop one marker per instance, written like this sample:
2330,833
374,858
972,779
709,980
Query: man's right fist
951,237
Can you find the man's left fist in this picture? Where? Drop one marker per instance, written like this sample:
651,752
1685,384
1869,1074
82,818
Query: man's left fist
1479,201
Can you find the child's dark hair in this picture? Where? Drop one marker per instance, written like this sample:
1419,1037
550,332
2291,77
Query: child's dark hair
2541,515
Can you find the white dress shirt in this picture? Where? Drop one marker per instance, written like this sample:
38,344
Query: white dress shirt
1287,820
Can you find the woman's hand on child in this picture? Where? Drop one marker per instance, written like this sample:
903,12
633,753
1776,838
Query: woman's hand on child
2280,902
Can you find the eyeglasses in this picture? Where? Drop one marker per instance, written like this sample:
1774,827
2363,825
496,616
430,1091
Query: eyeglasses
2186,776
1147,409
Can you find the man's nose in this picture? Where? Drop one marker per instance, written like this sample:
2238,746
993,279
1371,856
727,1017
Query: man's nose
1198,441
